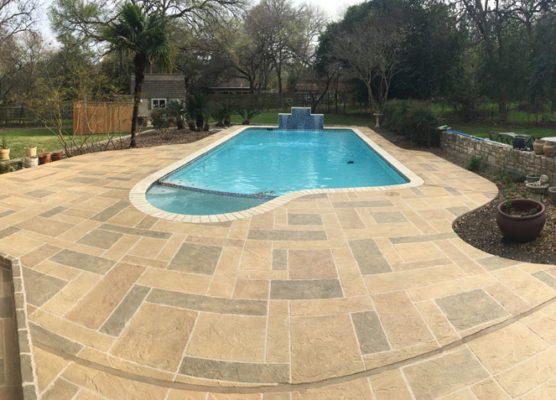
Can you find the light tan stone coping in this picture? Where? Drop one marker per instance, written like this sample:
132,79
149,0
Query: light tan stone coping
137,195
26,359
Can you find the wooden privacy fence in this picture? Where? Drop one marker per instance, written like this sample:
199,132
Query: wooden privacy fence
101,117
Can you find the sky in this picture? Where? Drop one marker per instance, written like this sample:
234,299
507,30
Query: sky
333,8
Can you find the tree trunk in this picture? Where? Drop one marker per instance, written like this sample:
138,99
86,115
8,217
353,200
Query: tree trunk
139,78
370,100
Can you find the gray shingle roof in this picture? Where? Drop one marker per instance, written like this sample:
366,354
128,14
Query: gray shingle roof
161,86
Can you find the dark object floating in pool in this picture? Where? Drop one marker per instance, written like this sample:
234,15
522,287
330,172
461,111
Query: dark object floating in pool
269,129
350,162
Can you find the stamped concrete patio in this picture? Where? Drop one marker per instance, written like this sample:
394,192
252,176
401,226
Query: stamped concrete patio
360,295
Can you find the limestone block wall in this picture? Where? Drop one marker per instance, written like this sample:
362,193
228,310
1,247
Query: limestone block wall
494,153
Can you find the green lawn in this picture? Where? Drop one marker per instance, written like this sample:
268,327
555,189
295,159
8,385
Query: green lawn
271,118
482,130
19,138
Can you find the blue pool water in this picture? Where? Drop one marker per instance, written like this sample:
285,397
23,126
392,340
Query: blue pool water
271,163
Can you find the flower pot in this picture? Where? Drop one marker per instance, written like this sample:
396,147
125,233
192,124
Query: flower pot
537,187
56,155
30,162
552,194
31,152
538,146
44,158
532,178
522,221
4,154
549,149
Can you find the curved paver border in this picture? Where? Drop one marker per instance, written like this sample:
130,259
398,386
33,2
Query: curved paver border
301,386
26,359
137,195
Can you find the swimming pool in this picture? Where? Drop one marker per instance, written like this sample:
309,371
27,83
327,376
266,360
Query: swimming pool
258,165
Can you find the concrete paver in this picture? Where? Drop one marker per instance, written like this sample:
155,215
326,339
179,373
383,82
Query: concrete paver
306,299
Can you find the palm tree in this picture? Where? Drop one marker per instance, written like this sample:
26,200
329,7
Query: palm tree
146,37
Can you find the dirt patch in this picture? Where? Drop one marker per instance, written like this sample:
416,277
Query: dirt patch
479,228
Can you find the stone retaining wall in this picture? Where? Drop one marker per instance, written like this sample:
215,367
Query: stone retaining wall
494,154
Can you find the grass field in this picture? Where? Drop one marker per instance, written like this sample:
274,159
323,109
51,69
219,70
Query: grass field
19,138
482,130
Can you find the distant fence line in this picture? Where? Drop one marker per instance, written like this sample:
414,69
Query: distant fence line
101,117
260,101
24,116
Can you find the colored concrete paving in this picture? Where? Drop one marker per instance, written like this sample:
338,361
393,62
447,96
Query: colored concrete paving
346,295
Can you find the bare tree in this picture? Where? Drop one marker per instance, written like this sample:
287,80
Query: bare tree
19,57
370,50
87,18
16,16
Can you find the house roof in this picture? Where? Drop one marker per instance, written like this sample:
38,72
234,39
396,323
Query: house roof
161,85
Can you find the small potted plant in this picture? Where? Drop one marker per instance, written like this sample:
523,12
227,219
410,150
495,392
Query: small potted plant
4,149
56,155
521,220
549,148
44,157
31,151
30,162
538,146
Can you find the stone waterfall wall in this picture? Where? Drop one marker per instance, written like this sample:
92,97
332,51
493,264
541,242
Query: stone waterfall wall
301,118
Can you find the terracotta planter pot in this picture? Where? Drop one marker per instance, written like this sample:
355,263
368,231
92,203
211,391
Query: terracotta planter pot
517,228
538,146
44,158
4,154
56,155
31,152
549,149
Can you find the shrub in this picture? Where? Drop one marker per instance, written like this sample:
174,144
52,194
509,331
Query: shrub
223,113
422,124
413,120
197,110
159,119
177,112
474,163
247,114
5,167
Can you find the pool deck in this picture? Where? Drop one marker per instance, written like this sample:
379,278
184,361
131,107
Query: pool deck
346,295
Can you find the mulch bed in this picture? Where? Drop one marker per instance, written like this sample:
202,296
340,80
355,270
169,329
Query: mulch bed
479,228
171,136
